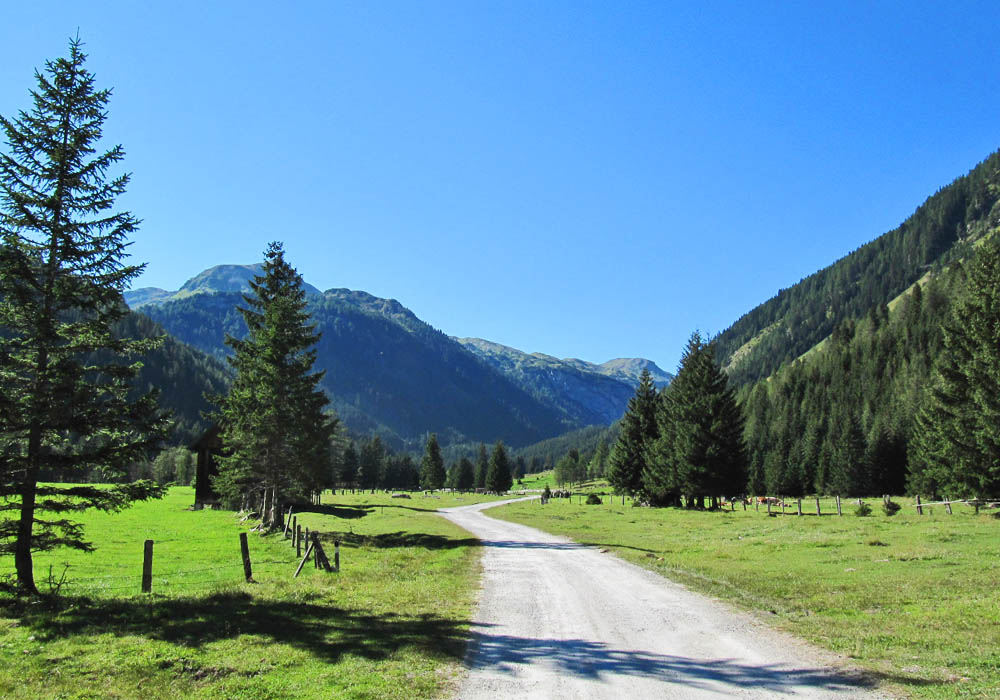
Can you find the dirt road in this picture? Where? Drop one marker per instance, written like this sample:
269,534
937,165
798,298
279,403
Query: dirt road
564,621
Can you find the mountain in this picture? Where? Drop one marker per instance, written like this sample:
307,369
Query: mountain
941,230
586,393
389,372
221,278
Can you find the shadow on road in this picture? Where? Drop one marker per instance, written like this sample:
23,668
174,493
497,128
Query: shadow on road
594,660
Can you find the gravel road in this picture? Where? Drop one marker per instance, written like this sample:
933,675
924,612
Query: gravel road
561,620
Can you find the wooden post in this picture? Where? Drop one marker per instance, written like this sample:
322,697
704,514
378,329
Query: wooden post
920,508
756,505
298,540
817,505
245,551
288,522
744,503
147,566
839,511
947,506
309,550
769,506
295,536
799,504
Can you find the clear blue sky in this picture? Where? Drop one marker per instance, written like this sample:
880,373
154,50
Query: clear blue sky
583,179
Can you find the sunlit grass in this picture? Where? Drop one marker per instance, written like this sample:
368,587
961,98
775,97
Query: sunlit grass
391,624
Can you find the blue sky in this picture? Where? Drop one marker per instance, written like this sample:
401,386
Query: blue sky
583,179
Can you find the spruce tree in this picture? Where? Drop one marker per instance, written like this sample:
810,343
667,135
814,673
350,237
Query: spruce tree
275,432
432,474
66,403
348,474
498,479
700,449
638,430
482,466
957,440
465,479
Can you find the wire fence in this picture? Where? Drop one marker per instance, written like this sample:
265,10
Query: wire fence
179,571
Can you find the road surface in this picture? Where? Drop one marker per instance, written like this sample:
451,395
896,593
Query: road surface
565,621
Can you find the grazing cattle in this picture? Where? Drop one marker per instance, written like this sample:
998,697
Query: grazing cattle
764,500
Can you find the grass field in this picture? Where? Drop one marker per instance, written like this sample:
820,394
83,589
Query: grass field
912,598
391,624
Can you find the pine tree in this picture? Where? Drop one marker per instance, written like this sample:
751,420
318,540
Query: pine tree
700,449
65,403
482,466
348,474
638,430
465,479
274,430
370,463
598,463
498,479
957,446
432,473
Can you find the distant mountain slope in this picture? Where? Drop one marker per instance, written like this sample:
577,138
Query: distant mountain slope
586,393
386,370
182,374
797,318
221,278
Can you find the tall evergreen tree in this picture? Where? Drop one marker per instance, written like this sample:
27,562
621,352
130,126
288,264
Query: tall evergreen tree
498,479
700,448
638,430
432,474
349,465
275,432
465,479
482,466
65,404
957,450
370,463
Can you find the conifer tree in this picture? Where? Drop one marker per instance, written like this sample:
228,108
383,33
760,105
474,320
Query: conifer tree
598,463
370,463
957,445
349,465
498,479
465,479
432,474
275,432
482,466
65,403
699,451
638,430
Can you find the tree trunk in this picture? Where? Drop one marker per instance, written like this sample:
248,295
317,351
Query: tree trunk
22,548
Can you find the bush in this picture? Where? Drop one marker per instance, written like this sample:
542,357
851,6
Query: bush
593,500
890,508
863,510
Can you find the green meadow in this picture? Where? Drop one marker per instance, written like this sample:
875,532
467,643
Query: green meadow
913,599
391,624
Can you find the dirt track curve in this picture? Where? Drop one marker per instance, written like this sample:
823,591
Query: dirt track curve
561,620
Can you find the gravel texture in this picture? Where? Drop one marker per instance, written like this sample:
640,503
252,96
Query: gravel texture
561,620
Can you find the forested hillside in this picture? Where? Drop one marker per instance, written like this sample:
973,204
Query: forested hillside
798,318
386,370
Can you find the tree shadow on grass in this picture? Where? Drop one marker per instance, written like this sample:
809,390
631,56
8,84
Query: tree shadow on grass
327,632
399,539
338,511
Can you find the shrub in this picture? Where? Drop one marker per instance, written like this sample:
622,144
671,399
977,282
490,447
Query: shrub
890,508
863,510
593,500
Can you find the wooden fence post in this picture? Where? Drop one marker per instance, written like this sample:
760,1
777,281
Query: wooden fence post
817,505
947,506
245,551
799,503
839,511
288,522
309,550
147,566
298,540
336,555
295,524
769,506
920,508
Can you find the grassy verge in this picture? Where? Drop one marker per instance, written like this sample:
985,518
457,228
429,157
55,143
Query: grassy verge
391,624
911,598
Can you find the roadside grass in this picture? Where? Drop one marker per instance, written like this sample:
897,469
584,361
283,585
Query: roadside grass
913,599
392,624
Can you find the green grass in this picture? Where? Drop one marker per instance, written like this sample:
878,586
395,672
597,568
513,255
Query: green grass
391,624
911,598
